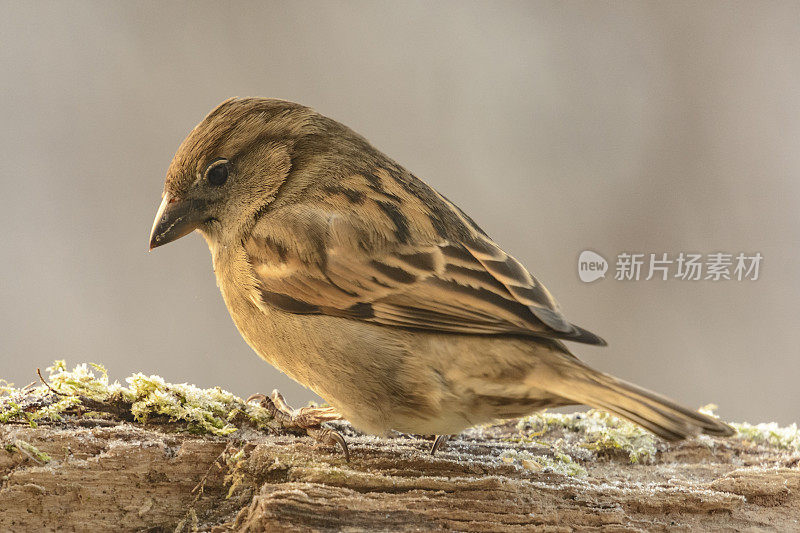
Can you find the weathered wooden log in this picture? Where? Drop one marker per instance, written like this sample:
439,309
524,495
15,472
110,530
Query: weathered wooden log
91,468
128,477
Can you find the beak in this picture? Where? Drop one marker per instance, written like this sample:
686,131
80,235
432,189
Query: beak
175,218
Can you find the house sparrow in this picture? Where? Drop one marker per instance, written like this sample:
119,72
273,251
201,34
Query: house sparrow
359,281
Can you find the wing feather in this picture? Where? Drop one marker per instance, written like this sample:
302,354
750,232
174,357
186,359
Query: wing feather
458,287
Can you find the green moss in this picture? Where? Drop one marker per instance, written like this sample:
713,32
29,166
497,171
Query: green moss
770,434
189,523
599,432
55,411
218,412
32,451
204,411
233,460
6,387
767,434
82,381
614,433
10,410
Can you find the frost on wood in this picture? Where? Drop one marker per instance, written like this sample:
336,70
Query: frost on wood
87,454
86,390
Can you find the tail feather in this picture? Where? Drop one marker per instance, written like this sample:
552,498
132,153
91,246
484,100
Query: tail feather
652,411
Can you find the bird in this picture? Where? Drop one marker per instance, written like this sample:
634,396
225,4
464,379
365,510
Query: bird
359,281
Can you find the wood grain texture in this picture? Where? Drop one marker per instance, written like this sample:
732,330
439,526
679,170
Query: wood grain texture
132,478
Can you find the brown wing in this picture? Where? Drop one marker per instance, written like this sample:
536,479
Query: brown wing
464,287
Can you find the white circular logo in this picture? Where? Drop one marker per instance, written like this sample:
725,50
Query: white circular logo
591,266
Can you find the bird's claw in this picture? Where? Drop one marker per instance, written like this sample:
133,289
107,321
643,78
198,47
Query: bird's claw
308,419
440,440
329,437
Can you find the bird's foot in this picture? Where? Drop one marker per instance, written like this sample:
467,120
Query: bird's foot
440,440
308,419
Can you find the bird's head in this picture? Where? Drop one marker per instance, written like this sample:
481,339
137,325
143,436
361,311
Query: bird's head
230,166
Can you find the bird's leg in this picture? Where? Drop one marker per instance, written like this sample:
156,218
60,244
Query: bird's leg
307,419
440,440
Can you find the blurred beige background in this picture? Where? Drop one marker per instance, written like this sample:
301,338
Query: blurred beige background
639,126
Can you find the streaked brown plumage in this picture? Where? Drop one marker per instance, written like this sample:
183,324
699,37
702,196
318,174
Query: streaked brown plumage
352,276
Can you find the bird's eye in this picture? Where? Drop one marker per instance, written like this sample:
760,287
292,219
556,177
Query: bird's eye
217,172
